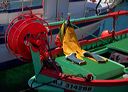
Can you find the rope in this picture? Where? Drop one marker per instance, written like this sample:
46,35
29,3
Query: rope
98,6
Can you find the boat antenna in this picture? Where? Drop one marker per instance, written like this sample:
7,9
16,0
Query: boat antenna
97,11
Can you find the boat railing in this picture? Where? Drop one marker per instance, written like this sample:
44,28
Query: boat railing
96,43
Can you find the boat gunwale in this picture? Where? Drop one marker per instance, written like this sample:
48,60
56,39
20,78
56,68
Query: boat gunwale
114,15
82,81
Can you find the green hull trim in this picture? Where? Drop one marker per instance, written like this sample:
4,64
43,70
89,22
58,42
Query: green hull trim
48,88
45,88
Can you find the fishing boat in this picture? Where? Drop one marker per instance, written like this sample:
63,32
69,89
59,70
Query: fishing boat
94,65
51,11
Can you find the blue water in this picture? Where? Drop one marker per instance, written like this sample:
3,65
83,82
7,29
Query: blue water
122,21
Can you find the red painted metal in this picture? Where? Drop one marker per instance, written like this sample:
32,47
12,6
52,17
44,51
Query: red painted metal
105,33
82,81
17,32
83,42
57,41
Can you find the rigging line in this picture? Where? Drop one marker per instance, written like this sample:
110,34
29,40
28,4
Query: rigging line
97,7
51,60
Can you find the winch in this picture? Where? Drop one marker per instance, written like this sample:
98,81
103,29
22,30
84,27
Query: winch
24,29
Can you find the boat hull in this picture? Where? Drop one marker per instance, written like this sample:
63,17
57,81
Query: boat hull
57,85
67,81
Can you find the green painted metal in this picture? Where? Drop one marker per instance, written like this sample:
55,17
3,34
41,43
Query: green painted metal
94,89
36,61
100,71
44,88
91,18
120,45
99,45
71,68
101,51
78,20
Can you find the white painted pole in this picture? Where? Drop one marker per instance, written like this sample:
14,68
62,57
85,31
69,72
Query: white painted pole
22,5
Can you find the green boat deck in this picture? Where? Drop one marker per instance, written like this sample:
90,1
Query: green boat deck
100,71
121,45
